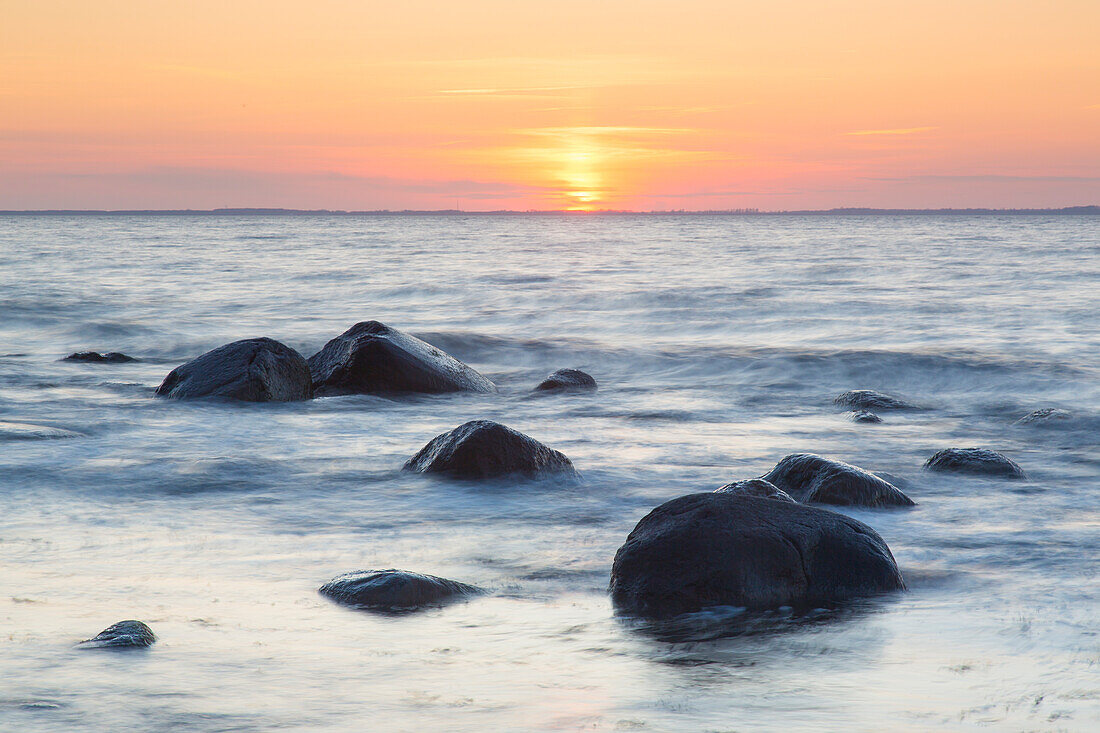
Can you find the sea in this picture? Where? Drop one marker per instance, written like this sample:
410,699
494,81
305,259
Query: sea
718,343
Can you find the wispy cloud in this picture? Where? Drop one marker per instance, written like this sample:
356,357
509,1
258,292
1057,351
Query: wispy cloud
511,91
896,131
987,178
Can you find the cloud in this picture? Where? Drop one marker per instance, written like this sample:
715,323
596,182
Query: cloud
986,178
897,131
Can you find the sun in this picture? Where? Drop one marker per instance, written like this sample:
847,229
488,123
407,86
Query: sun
581,177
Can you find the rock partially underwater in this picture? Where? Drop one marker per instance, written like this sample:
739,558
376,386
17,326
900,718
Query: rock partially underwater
94,357
483,449
124,634
372,358
813,479
252,370
757,487
869,399
727,549
1044,416
27,431
863,416
394,590
568,380
978,461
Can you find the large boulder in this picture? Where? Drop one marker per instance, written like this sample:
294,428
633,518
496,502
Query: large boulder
813,479
484,449
123,634
372,358
94,357
394,590
723,549
572,380
252,370
755,487
869,399
975,461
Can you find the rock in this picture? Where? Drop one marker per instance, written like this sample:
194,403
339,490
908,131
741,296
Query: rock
722,549
755,487
863,416
976,461
484,449
813,479
252,370
394,590
122,634
111,357
869,399
371,358
1043,416
26,431
568,379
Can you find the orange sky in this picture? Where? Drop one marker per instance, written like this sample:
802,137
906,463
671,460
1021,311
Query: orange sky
490,104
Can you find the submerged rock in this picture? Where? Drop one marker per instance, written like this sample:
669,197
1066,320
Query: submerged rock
111,357
975,461
371,357
27,431
755,487
813,479
394,590
723,549
863,416
484,449
1043,416
568,379
869,399
122,634
252,370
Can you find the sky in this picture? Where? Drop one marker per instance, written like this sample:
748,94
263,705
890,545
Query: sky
517,104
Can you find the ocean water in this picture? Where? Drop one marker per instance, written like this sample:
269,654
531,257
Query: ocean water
718,344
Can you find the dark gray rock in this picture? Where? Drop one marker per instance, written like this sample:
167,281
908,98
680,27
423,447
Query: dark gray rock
485,449
120,635
869,399
755,487
394,590
93,357
252,370
721,549
813,479
1044,416
372,358
568,380
863,416
975,461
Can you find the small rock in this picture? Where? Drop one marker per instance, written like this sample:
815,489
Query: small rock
122,634
813,479
252,370
869,399
1043,416
863,416
27,431
372,358
755,487
975,461
568,379
485,449
111,357
394,590
722,549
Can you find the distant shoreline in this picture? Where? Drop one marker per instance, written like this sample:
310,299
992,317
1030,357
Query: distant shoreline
1064,211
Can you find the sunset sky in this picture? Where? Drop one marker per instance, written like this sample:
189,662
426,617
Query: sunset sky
515,104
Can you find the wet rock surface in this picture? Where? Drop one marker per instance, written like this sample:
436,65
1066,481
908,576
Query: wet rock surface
723,549
121,635
573,380
251,370
486,449
29,431
372,358
1044,416
869,399
977,461
814,479
394,590
863,416
755,487
94,357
